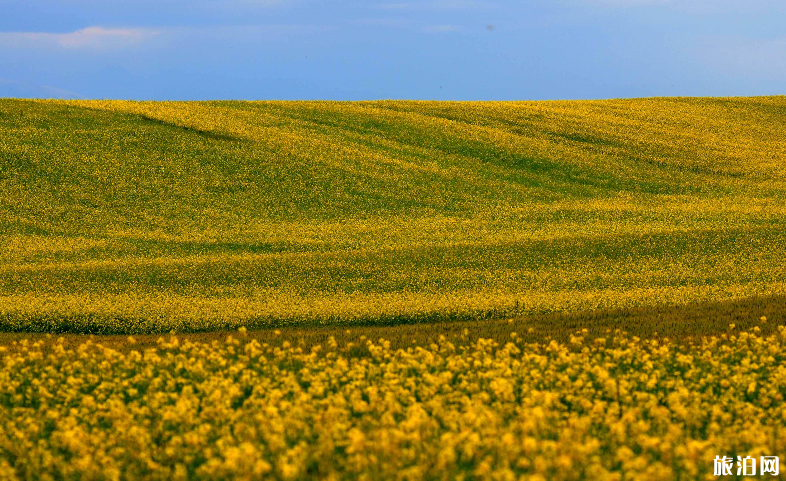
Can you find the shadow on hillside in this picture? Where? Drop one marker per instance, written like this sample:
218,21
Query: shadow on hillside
680,323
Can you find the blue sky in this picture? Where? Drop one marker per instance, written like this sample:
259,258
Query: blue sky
403,49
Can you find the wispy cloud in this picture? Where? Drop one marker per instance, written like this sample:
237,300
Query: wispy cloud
382,22
101,38
434,5
90,38
252,4
626,3
263,3
399,23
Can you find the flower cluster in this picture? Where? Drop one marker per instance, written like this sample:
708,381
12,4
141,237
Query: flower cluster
601,409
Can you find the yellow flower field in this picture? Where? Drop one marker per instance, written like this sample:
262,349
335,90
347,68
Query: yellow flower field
615,408
136,217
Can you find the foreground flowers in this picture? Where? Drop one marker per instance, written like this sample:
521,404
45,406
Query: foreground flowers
617,408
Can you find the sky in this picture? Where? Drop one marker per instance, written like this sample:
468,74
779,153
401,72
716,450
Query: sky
391,49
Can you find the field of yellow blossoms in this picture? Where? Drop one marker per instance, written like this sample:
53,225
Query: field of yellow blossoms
614,408
123,217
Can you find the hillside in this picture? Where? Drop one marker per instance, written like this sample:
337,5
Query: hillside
149,216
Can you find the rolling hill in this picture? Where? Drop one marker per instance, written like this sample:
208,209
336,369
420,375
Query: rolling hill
120,216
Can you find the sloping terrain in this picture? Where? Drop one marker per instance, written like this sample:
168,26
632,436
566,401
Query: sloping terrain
123,216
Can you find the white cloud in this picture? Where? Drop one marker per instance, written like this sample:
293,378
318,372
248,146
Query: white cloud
434,5
240,5
100,39
90,38
627,3
410,25
382,22
263,3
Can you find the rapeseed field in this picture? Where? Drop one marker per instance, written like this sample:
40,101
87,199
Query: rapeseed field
528,291
611,408
138,217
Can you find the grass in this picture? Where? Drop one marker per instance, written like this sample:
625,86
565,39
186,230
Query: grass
146,217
